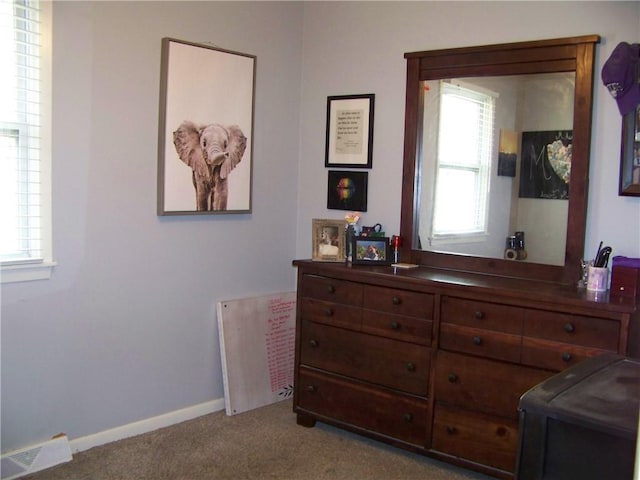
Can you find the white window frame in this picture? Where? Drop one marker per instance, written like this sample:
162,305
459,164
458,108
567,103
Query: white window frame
40,268
481,169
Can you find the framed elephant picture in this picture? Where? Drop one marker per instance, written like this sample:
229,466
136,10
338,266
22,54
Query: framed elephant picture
205,132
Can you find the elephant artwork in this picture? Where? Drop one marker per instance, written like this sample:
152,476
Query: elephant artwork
212,151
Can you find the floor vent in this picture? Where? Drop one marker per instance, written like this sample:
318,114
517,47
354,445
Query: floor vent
33,459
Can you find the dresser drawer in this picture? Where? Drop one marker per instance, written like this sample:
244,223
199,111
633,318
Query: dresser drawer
573,329
400,365
353,403
485,343
329,313
332,290
489,316
554,355
399,302
483,385
399,327
477,437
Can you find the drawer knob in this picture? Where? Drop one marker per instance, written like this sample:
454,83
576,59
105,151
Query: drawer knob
568,327
476,340
408,417
451,430
328,312
313,343
479,315
396,300
331,289
411,367
566,356
394,325
453,378
311,388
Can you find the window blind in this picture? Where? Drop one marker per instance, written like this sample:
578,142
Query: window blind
20,132
464,159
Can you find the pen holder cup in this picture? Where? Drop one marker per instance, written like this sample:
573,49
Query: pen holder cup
597,280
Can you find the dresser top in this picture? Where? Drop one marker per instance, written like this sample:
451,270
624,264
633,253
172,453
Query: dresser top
436,280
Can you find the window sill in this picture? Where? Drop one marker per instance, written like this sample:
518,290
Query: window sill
26,272
458,239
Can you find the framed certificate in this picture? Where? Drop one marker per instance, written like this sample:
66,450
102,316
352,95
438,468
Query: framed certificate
349,140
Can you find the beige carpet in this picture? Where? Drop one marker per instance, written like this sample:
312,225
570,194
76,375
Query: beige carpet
265,443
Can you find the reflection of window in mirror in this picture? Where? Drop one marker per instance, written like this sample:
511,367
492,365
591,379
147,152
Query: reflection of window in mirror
539,84
521,103
464,153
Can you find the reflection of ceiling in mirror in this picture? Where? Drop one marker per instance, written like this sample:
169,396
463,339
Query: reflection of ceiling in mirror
541,102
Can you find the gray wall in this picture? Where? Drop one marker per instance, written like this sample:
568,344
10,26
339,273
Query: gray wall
126,328
358,47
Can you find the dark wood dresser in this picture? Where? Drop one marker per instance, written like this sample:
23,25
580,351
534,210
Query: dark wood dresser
435,361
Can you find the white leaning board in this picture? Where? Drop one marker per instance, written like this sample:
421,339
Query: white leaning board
257,340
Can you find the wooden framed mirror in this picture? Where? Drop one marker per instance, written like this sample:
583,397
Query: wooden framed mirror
526,83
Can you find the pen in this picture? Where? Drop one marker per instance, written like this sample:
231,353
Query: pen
603,257
597,254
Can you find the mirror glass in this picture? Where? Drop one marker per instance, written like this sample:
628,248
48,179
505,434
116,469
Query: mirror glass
496,158
498,148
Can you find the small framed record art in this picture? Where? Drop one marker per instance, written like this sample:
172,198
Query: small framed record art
347,190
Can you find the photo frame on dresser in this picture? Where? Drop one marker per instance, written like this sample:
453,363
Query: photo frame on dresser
328,240
371,251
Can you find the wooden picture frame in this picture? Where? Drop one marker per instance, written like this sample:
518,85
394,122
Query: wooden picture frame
630,155
205,131
349,136
371,251
328,240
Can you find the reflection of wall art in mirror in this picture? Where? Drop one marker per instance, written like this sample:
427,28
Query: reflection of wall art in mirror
371,251
347,190
546,164
630,157
328,240
349,141
507,153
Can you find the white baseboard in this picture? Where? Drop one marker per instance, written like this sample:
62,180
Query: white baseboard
147,425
